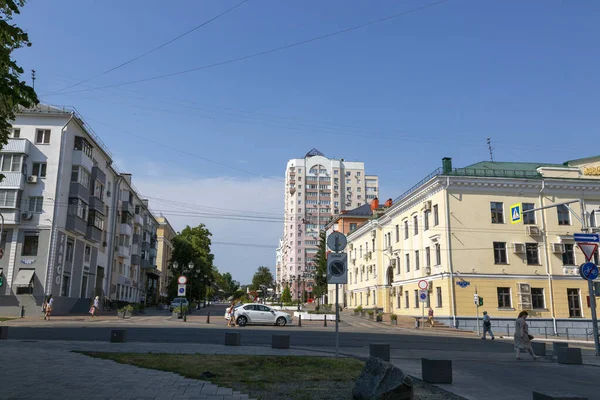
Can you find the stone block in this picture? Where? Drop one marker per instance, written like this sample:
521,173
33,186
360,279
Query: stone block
381,380
232,339
3,332
280,341
436,371
558,345
539,348
556,396
118,335
569,355
380,350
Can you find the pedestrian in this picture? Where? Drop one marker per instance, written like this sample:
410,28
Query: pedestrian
430,316
231,314
487,325
522,337
95,306
48,307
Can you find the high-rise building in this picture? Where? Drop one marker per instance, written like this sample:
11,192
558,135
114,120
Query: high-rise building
316,188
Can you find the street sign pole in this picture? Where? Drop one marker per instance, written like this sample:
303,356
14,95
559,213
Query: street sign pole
477,308
337,318
337,272
584,229
422,315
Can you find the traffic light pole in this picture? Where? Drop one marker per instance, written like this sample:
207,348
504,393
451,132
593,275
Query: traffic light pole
477,308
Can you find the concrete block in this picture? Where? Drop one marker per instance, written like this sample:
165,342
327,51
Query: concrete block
569,355
3,332
558,345
539,348
436,371
380,350
232,339
556,396
280,341
118,335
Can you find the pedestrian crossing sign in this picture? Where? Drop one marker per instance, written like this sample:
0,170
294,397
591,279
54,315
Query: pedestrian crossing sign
516,214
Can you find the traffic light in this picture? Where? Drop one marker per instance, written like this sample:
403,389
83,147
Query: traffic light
480,302
1,281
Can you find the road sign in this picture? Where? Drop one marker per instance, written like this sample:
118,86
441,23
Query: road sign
516,214
337,241
587,237
588,249
181,290
423,285
337,268
182,280
423,296
588,271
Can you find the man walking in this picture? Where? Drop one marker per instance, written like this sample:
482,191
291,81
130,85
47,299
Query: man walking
487,325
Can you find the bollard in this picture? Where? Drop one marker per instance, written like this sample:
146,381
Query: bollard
380,350
567,333
208,318
3,332
299,320
569,355
539,348
556,346
280,341
546,331
22,311
232,339
325,320
436,371
507,329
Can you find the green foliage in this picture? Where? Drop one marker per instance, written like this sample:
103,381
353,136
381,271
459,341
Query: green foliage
262,277
393,317
286,296
358,309
129,308
320,287
180,309
13,91
370,312
227,285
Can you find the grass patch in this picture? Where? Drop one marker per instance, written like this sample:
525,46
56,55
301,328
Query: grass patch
3,319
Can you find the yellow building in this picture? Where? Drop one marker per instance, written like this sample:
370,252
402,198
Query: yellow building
165,234
453,229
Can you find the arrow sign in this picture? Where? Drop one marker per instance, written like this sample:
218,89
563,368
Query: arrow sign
588,249
587,237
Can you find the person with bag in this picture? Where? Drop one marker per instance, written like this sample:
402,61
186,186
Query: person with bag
48,307
487,325
231,314
95,305
522,338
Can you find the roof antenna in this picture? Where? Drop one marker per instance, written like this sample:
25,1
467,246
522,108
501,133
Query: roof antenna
33,79
491,149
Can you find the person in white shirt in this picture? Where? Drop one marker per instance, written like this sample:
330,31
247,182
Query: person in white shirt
49,304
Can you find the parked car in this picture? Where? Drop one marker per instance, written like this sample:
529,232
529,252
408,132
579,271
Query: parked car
177,302
235,308
260,314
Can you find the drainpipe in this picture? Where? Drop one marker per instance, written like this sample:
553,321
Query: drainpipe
450,264
112,231
547,256
57,201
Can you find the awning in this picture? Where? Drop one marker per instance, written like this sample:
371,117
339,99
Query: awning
24,277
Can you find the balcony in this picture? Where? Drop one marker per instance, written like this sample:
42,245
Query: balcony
145,264
137,238
152,252
17,146
11,216
76,225
127,207
135,259
13,180
99,175
78,190
123,251
138,220
93,234
96,204
80,158
126,229
146,246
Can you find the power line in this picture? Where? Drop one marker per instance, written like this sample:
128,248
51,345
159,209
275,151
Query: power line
265,52
152,50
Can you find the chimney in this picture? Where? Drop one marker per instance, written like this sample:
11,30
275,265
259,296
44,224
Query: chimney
388,203
446,165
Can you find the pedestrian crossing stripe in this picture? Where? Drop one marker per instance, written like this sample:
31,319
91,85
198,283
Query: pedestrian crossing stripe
515,213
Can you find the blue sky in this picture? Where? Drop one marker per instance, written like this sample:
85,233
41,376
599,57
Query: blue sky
398,95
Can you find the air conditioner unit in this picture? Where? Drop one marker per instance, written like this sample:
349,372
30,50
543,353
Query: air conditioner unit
26,215
533,231
427,205
518,248
428,270
558,248
523,288
32,179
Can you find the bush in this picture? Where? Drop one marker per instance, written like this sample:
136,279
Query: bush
177,309
393,317
370,312
128,308
358,309
286,296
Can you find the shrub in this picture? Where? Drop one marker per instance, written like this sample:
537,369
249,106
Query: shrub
370,312
393,317
358,309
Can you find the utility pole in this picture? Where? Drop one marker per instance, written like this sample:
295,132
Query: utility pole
491,149
33,79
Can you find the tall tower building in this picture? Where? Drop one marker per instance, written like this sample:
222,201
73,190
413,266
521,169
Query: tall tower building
316,188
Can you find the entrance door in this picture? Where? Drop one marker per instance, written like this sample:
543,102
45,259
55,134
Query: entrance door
84,282
99,281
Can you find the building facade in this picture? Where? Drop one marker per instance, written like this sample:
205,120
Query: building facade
316,188
165,236
59,202
454,231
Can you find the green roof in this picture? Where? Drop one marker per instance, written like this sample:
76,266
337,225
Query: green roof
511,166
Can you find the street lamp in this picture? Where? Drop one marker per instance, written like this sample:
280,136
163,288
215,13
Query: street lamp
205,289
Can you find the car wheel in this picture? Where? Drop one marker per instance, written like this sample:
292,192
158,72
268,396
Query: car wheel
280,321
242,321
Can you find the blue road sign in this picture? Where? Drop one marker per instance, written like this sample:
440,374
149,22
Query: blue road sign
181,290
587,237
423,295
588,271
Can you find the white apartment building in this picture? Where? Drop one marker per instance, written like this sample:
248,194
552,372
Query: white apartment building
316,188
59,200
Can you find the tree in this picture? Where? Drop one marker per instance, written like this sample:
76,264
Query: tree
13,91
286,295
227,285
262,277
320,287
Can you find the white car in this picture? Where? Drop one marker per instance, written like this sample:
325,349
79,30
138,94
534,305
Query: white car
260,314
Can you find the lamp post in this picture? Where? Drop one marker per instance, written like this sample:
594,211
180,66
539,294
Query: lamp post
205,289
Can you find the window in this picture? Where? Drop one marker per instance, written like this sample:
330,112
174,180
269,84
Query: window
438,255
398,264
88,253
82,145
504,297
537,298
124,240
39,169
438,296
574,303
353,226
500,253
406,300
84,281
397,233
35,204
69,253
407,261
497,210
398,302
15,133
405,229
11,163
30,244
81,176
563,215
426,220
529,217
416,298
78,208
42,136
417,263
568,257
8,198
532,254
99,192
416,225
96,220
436,215
64,291
428,256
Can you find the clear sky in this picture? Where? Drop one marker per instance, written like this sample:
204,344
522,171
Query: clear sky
398,95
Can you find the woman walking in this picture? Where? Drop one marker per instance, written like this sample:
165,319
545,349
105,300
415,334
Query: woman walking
95,305
231,313
49,304
522,337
